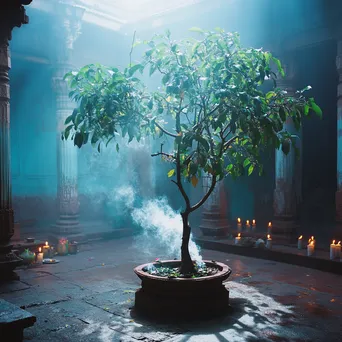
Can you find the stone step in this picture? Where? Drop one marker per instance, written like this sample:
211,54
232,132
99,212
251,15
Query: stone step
13,321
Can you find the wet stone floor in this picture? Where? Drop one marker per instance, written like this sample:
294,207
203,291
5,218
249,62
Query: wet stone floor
89,296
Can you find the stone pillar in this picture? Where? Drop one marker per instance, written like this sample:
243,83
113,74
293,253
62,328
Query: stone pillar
11,14
287,179
214,223
67,26
339,134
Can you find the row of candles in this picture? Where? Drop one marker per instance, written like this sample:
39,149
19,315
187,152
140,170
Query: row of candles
249,225
335,248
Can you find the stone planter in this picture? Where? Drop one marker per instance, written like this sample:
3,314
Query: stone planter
189,298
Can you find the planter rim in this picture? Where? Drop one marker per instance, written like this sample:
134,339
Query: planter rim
223,273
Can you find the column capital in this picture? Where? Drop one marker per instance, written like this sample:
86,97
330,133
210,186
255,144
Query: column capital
12,15
67,28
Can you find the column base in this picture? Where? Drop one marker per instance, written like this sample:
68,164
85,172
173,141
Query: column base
213,225
284,229
8,262
67,226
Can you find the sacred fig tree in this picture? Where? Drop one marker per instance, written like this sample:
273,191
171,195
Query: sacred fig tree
210,102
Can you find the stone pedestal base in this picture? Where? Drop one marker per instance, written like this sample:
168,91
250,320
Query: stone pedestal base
8,262
67,226
213,225
169,306
284,230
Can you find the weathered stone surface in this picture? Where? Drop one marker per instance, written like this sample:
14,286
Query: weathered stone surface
13,321
270,301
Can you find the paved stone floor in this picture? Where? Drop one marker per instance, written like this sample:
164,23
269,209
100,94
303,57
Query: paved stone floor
88,296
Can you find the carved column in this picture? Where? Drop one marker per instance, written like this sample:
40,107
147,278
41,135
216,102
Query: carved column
214,223
11,15
339,133
287,191
67,28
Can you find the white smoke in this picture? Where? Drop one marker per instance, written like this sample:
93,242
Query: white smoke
162,228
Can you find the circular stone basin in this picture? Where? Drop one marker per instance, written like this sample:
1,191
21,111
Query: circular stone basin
162,297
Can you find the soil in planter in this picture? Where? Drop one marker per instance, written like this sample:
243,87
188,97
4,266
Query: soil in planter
161,270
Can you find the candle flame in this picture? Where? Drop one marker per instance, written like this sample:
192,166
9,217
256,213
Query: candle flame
253,221
239,235
270,224
268,237
239,220
339,243
301,237
247,222
40,249
311,243
333,242
46,243
312,237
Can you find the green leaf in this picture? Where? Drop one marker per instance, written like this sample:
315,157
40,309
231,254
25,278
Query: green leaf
171,173
166,78
196,29
246,162
135,68
317,109
78,140
250,169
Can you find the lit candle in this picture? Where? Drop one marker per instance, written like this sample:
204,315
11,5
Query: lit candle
300,242
312,239
269,227
253,223
239,225
40,256
332,250
46,250
311,248
269,242
248,225
238,239
338,250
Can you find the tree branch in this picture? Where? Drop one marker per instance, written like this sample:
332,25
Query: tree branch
162,154
130,53
229,142
206,196
165,131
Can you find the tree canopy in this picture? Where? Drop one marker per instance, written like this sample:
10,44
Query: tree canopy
210,101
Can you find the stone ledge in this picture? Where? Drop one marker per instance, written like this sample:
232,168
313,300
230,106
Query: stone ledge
13,321
288,255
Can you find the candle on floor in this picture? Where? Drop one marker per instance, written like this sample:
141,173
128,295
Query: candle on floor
332,250
248,225
269,242
239,225
338,250
238,239
311,248
40,256
300,242
46,250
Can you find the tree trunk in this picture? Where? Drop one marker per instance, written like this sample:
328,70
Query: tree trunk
187,266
